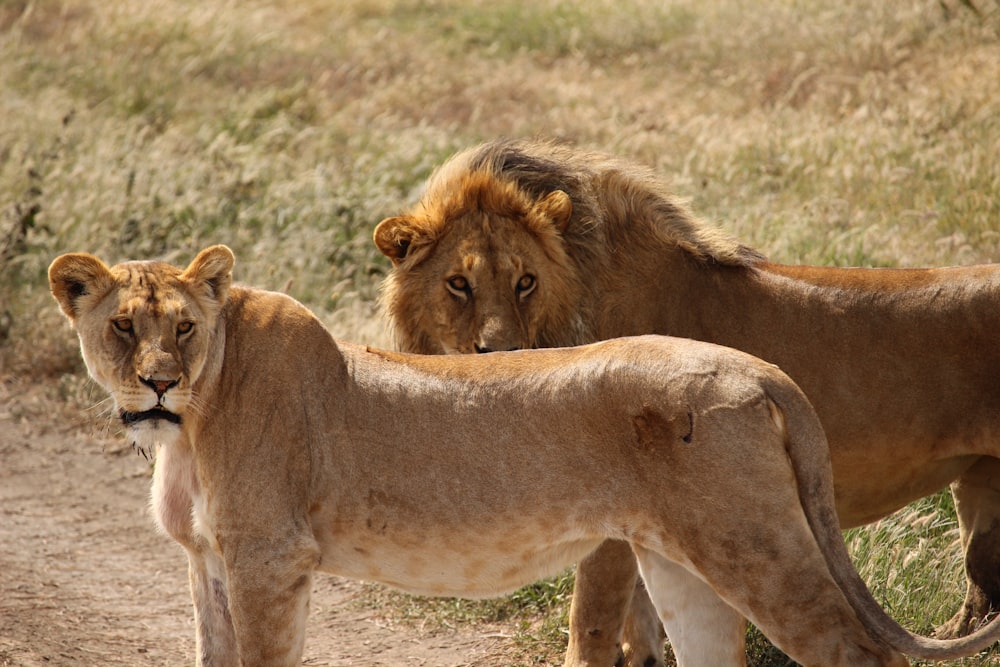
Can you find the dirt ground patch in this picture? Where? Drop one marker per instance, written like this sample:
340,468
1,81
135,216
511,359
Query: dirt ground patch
85,579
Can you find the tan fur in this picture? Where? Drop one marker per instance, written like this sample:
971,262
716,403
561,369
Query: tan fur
466,475
901,365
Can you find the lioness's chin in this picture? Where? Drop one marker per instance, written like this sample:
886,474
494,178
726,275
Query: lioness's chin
149,428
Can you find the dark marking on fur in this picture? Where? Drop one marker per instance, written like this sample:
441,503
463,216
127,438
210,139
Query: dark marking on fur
75,289
688,436
221,599
300,583
652,429
140,451
379,528
143,280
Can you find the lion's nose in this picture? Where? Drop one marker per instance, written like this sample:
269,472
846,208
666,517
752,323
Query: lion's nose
158,386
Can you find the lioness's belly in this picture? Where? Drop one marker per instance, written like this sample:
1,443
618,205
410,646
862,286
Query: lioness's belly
448,561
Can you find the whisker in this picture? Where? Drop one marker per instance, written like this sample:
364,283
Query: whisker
196,405
104,404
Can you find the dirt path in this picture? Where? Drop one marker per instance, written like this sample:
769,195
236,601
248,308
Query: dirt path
85,579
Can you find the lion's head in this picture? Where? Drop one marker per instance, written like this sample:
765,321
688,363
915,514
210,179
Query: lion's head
534,244
146,330
480,268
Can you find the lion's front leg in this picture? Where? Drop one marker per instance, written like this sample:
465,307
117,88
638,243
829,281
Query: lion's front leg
977,501
269,584
215,639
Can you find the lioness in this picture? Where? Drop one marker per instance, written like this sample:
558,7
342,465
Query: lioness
281,451
530,244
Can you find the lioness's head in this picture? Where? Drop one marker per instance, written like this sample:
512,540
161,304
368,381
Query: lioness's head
145,331
480,268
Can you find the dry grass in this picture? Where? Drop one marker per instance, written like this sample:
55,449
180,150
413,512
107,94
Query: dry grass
831,133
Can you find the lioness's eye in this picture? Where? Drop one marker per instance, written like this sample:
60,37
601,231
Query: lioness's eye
123,324
525,284
184,327
459,285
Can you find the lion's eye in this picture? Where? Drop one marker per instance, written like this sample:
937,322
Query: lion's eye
123,324
184,327
526,285
458,285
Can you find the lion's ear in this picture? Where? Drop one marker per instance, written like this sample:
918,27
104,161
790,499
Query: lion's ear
393,237
212,269
77,275
557,207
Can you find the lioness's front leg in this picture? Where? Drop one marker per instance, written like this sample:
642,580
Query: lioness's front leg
269,584
602,591
609,616
174,488
215,641
977,502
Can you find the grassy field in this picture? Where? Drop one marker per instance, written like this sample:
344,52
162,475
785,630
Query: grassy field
828,133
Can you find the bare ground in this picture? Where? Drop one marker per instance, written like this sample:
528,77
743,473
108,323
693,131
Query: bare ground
85,579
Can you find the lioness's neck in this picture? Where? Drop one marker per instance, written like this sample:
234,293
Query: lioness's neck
263,339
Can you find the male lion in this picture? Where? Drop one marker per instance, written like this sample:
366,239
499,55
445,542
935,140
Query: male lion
282,451
531,244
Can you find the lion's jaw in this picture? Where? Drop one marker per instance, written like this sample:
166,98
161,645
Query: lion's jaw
146,330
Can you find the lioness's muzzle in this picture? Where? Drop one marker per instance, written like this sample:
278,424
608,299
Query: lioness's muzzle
133,418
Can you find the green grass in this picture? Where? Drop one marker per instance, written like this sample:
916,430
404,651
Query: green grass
535,618
827,133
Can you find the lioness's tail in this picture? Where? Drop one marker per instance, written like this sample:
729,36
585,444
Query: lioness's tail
807,448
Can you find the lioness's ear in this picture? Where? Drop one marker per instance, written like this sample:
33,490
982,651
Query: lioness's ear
212,268
557,207
393,237
74,276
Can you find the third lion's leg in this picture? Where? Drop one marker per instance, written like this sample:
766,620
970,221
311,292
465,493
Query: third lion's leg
977,501
602,600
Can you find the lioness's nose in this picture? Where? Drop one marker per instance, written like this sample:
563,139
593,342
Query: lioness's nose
159,386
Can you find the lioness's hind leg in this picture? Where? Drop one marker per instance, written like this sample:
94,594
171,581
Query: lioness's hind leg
781,582
701,627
